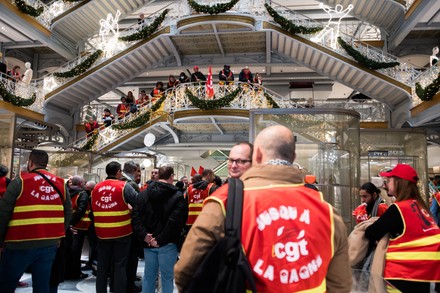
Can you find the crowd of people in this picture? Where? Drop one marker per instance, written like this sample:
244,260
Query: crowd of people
293,239
129,104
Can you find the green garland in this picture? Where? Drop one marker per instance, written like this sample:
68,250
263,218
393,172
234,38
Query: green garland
80,68
364,61
270,101
91,141
29,10
214,103
428,92
215,9
141,119
288,25
16,100
146,31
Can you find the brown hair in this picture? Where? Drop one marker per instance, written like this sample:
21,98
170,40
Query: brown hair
408,190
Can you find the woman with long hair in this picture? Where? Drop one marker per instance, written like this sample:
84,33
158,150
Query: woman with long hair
412,259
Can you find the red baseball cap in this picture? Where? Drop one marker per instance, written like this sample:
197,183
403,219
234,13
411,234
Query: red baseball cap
403,171
196,67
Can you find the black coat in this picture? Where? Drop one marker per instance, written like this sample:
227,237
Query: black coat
161,211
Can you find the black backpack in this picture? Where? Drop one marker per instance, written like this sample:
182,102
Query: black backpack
225,268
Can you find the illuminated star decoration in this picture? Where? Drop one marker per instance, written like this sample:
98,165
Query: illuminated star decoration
56,8
331,30
109,34
49,84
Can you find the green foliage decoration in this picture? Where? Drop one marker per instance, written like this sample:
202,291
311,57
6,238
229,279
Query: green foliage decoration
69,160
215,9
214,103
80,68
16,100
428,92
146,31
364,61
29,10
91,141
141,119
288,25
270,101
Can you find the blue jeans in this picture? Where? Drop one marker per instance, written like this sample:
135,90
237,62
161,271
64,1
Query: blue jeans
162,258
15,261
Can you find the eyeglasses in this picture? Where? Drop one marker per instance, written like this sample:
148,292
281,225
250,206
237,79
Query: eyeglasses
238,161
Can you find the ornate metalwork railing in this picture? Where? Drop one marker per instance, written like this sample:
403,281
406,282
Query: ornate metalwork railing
424,79
24,91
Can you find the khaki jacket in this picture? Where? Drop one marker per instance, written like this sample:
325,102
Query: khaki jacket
357,251
209,228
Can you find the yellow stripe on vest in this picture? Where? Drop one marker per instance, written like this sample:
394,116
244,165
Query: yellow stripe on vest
114,224
109,214
194,213
418,255
35,221
34,208
195,205
434,239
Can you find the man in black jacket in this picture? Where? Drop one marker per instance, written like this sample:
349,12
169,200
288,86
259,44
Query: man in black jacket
158,220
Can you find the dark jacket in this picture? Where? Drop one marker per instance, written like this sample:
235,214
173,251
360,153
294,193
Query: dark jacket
201,185
161,211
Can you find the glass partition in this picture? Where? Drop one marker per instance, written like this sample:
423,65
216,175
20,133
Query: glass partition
383,149
327,147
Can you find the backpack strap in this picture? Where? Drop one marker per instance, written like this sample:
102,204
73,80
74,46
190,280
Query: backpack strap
233,222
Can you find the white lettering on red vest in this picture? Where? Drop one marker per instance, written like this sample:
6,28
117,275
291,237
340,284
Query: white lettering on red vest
272,214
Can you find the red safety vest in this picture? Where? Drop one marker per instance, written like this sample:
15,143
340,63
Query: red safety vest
437,197
287,235
195,202
361,215
84,222
2,186
110,211
39,212
414,255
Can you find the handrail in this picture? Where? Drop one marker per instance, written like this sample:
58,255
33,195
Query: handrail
424,79
24,91
405,73
249,97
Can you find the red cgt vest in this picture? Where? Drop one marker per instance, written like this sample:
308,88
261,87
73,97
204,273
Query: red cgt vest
2,186
414,255
110,211
195,200
84,222
38,213
287,234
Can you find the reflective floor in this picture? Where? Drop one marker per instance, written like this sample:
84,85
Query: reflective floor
84,285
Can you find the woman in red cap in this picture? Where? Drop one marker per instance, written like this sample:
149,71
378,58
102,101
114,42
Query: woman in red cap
412,259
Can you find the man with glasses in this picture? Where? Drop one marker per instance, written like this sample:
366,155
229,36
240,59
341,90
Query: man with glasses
292,238
240,159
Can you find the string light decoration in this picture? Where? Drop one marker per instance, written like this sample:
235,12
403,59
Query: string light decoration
428,92
16,100
142,119
215,9
332,28
29,10
80,68
214,103
288,25
270,101
146,31
364,61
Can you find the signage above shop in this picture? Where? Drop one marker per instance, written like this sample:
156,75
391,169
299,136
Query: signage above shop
385,153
